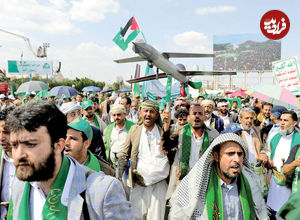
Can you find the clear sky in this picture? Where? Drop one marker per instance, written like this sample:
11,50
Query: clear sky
80,32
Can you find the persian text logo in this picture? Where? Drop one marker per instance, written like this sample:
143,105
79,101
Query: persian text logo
275,24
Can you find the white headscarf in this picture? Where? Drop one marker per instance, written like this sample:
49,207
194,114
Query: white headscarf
189,199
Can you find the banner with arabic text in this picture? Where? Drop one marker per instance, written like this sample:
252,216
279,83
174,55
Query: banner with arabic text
29,67
286,73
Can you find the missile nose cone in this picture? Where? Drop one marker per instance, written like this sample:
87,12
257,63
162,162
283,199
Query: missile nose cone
136,48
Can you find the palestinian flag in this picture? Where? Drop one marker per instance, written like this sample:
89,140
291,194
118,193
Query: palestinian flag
127,34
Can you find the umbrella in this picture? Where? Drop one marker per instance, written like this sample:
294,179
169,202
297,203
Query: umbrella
32,86
239,92
107,90
125,90
91,89
276,95
58,91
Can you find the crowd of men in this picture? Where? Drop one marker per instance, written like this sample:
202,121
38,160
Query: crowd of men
103,156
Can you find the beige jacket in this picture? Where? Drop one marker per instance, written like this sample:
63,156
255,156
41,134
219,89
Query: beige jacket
131,150
258,146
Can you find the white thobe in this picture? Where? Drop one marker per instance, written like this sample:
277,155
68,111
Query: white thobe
149,202
278,195
196,147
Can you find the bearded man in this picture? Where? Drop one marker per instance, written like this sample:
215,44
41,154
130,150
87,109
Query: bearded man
222,185
92,118
186,145
50,185
212,120
281,145
224,114
149,167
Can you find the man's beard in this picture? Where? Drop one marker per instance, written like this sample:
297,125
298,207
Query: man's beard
247,127
224,111
227,174
44,170
90,115
287,131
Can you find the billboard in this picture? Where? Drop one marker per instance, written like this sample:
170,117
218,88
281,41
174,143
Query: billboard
29,67
286,73
245,52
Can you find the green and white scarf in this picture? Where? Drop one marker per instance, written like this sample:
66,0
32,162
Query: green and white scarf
186,148
109,128
92,162
278,177
214,197
275,140
53,208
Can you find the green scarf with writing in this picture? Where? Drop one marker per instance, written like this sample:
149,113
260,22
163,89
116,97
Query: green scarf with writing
275,140
214,197
53,209
92,162
186,148
109,128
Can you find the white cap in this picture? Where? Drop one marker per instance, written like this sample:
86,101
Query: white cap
69,107
11,97
2,96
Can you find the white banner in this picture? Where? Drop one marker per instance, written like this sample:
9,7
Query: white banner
29,67
286,73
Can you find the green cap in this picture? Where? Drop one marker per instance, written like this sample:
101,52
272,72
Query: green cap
81,125
27,95
65,96
50,95
86,103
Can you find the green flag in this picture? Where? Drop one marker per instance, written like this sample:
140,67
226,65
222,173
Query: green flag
127,34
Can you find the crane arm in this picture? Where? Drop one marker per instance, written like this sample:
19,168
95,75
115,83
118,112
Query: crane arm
26,39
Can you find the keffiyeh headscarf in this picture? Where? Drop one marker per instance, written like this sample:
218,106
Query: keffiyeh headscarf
152,105
189,199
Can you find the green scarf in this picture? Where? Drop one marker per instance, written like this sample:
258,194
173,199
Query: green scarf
275,140
214,197
92,162
296,179
96,121
53,209
186,148
100,101
109,128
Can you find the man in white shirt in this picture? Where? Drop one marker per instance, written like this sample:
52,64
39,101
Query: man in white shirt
281,145
7,168
149,167
251,137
